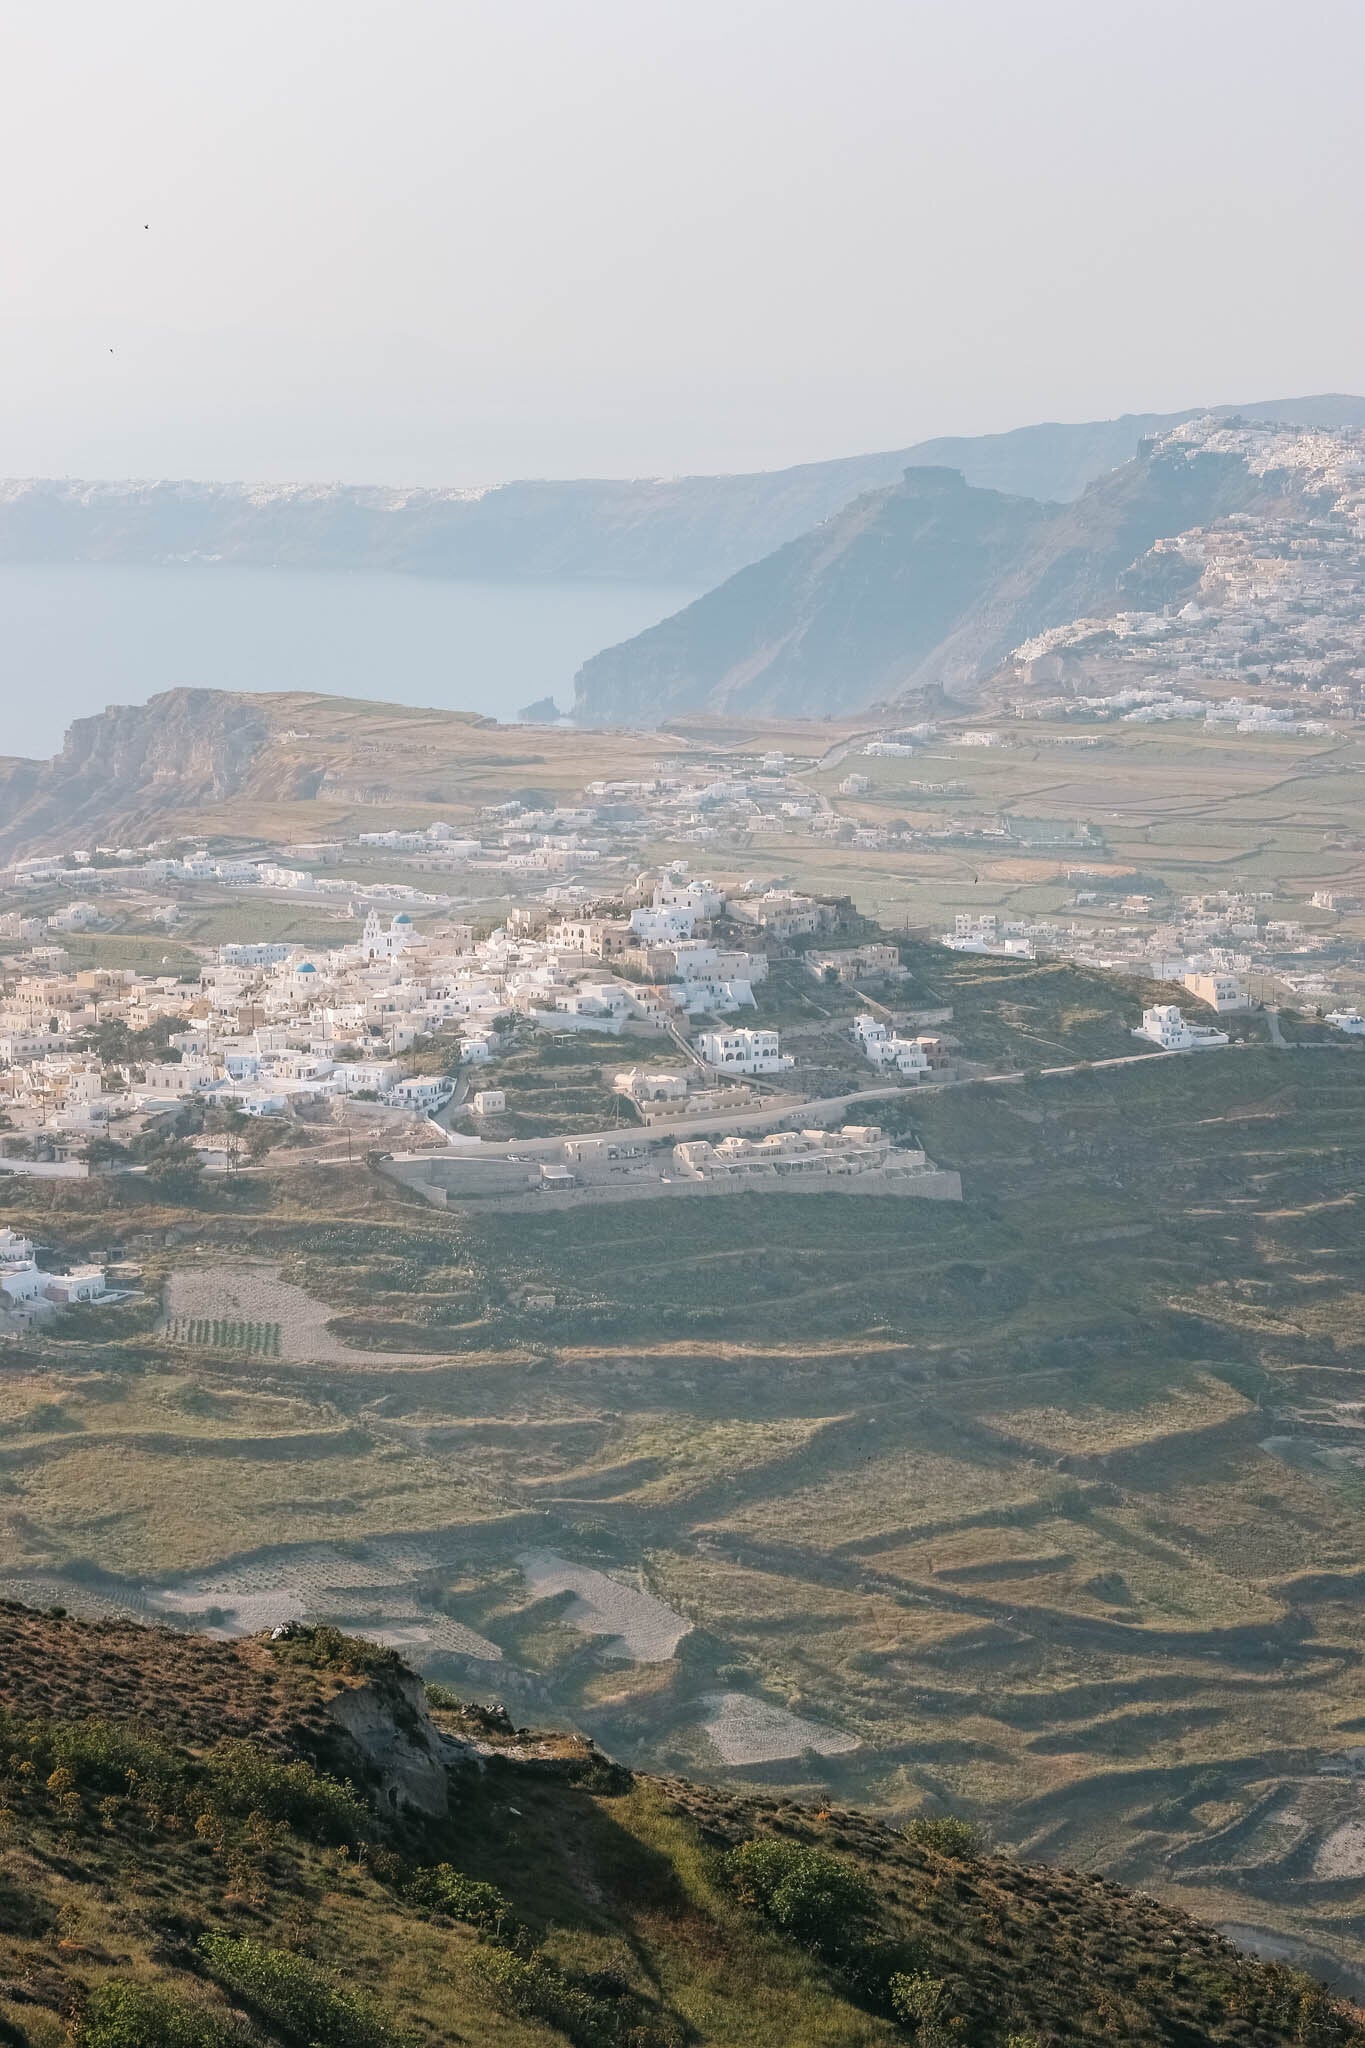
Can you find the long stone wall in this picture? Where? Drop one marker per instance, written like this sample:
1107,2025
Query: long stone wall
937,1184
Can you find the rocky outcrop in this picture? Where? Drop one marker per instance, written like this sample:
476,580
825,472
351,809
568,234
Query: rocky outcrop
386,1720
184,747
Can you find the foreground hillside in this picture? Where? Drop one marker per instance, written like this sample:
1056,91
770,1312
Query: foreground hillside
213,1846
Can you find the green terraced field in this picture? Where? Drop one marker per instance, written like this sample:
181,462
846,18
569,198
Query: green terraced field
1051,1500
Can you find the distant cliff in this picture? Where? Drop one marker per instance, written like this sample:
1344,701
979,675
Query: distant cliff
691,529
286,764
836,619
928,582
128,763
678,530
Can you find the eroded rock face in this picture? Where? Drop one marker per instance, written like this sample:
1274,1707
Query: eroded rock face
188,746
391,1728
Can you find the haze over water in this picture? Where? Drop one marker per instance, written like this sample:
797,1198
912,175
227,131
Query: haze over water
74,639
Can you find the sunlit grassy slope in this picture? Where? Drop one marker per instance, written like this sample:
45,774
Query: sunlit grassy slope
195,1854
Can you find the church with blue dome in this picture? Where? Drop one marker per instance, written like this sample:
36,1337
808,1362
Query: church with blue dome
379,941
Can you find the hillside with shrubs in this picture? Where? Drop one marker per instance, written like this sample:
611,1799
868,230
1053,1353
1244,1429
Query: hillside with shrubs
292,1843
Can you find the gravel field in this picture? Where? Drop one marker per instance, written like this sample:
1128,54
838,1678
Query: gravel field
1343,1852
435,1632
320,1584
50,1589
744,1730
647,1630
246,1614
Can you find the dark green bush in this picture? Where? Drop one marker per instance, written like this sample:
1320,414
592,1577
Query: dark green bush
533,1988
244,1778
442,1889
99,1754
150,2016
945,1833
441,1696
818,1899
327,1649
295,1997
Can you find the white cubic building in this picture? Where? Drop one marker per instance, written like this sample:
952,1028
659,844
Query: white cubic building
743,1052
1165,1026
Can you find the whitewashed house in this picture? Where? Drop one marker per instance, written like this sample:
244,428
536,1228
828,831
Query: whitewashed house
1165,1026
744,1051
423,1091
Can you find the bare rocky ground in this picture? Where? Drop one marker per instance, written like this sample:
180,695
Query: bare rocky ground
647,1630
744,1731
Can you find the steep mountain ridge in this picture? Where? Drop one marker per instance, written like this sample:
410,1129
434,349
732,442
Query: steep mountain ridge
688,529
934,583
930,581
1056,462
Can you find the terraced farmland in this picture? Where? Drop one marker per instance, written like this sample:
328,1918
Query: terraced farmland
1046,1509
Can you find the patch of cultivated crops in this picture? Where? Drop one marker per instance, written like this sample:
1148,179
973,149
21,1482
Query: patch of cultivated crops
225,1333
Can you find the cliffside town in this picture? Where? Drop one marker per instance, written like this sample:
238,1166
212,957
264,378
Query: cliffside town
1273,597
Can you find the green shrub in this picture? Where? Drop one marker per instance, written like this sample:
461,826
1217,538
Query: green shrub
1305,2010
100,1755
328,1649
534,1989
925,2003
247,1779
442,1889
946,1834
150,2016
295,1997
818,1899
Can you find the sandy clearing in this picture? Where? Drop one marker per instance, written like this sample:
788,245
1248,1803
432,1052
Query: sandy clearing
647,1630
254,1293
1342,1853
438,1634
744,1730
320,1586
245,1614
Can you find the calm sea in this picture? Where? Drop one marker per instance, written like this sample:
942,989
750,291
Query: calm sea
75,639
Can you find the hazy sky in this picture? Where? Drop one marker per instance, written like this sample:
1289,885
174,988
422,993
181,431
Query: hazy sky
460,240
